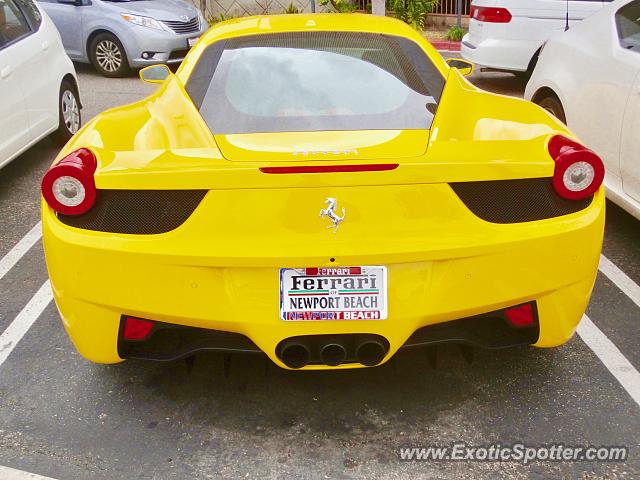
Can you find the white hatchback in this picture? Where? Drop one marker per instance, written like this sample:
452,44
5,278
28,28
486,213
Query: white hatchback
38,85
507,34
589,77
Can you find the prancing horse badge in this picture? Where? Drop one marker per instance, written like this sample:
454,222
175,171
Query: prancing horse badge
330,213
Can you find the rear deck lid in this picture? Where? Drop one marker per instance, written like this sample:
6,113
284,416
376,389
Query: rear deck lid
325,146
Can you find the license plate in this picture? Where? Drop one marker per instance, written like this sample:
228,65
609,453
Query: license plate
333,293
192,41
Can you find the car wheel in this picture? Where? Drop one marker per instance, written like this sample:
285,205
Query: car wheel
108,56
552,105
69,119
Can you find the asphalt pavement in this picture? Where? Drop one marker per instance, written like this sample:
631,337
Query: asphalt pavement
63,417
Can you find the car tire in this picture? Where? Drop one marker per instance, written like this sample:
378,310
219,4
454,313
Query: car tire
552,105
108,56
69,118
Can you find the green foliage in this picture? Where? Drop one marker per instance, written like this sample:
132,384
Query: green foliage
340,6
413,12
455,33
213,19
292,9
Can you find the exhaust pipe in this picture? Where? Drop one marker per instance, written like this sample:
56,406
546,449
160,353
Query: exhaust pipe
333,354
295,355
370,352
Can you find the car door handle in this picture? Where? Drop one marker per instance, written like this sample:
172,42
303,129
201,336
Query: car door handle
45,45
5,72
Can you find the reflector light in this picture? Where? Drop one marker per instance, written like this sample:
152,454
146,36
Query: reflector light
490,14
520,316
136,328
68,186
579,172
376,167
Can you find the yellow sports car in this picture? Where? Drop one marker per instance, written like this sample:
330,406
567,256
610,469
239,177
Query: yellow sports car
324,189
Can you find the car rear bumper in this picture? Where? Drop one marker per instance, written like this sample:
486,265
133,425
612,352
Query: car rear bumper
499,53
168,342
179,279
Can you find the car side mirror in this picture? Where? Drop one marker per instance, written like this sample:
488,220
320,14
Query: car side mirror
464,67
155,73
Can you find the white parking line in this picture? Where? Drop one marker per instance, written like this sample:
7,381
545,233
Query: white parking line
22,323
23,246
7,473
630,288
611,357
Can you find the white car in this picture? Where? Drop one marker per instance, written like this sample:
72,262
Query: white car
507,35
38,85
589,77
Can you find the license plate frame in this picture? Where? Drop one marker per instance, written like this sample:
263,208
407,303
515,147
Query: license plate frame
334,293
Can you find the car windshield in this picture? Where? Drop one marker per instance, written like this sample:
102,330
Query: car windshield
310,81
628,23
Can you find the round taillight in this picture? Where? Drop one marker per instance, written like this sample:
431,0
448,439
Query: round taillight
579,172
68,186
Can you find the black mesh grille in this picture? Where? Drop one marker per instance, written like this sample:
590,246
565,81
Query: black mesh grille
488,330
515,201
170,342
137,211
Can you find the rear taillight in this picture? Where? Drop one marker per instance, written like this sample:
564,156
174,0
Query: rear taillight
490,14
68,186
579,172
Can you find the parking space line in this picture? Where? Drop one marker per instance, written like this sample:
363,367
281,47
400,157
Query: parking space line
611,357
17,252
25,319
7,473
630,288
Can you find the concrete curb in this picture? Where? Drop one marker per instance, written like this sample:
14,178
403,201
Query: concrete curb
446,46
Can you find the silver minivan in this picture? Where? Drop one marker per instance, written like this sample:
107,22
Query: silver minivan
115,35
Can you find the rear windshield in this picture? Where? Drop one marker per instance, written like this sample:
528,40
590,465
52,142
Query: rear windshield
311,81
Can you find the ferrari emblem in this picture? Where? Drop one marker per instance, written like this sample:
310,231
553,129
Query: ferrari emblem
330,213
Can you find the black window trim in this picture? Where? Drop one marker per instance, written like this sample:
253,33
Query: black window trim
34,28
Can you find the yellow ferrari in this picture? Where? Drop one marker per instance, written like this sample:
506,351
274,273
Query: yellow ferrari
326,190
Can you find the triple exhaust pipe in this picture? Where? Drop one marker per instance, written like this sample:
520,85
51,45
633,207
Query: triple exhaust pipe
332,350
